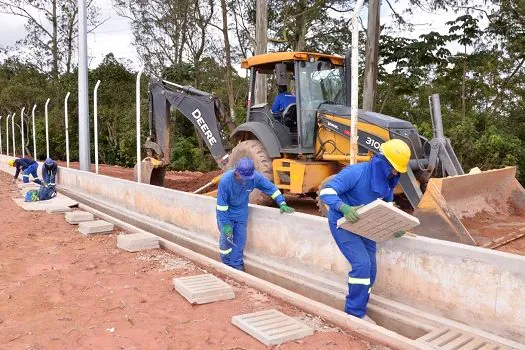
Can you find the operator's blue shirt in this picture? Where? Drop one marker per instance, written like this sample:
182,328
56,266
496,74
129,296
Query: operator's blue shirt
23,164
359,184
233,196
282,101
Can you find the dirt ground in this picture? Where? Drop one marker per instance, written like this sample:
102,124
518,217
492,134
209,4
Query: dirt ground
61,290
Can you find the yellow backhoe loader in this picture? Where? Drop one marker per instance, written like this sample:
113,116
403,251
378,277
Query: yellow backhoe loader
300,148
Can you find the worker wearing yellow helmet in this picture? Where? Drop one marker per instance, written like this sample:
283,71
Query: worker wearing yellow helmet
355,186
27,166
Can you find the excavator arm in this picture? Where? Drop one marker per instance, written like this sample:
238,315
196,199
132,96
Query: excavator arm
201,108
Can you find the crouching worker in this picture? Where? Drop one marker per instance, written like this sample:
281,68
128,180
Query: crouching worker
28,167
49,172
233,195
355,186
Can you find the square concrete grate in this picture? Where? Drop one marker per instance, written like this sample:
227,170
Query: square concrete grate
202,289
95,227
272,327
454,339
76,217
137,241
379,221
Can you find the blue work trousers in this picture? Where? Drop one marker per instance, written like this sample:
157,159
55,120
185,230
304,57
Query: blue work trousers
31,170
232,254
360,252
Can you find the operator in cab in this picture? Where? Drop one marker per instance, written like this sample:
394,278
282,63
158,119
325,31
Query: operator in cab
233,195
282,100
354,186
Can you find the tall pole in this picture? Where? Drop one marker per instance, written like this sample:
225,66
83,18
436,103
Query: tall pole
83,103
1,150
13,133
261,38
371,56
7,134
355,83
22,131
47,131
66,122
95,122
137,112
34,133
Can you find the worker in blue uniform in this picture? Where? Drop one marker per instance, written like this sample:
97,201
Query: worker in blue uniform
282,100
233,195
27,166
355,186
49,172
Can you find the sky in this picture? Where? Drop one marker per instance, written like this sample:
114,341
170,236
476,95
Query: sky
115,34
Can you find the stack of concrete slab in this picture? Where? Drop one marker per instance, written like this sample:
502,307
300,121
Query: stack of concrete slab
95,227
76,217
379,221
202,289
271,327
58,210
138,241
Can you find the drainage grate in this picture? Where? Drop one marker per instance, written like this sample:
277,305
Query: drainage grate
271,327
454,339
202,289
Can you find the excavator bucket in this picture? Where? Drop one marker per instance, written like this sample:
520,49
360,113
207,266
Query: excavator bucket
485,209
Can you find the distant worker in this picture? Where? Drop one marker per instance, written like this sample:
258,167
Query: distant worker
355,186
233,194
49,172
282,100
28,166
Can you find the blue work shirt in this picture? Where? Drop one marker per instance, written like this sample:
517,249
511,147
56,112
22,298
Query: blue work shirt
282,101
23,164
233,196
359,184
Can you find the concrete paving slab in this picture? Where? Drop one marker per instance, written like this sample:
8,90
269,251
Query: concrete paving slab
58,201
379,221
58,210
137,241
202,289
450,338
272,327
95,227
22,185
76,217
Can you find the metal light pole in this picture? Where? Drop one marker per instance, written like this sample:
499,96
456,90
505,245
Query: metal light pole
95,122
13,133
137,111
34,135
22,131
66,121
83,102
355,83
47,131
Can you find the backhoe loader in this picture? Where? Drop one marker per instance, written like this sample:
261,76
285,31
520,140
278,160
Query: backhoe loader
301,148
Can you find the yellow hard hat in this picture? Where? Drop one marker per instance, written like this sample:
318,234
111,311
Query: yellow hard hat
11,162
398,154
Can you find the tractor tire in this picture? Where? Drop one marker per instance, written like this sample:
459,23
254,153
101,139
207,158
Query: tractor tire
323,209
254,150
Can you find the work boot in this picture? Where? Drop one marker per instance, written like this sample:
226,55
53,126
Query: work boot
369,320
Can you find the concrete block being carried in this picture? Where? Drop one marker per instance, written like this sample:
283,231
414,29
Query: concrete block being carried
272,327
203,289
95,227
137,241
379,221
76,217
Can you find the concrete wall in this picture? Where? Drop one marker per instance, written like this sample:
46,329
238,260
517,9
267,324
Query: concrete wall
479,287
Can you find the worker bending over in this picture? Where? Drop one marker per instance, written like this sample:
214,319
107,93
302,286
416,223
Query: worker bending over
28,166
233,195
355,186
49,172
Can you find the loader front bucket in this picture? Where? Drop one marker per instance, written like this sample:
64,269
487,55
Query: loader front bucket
485,209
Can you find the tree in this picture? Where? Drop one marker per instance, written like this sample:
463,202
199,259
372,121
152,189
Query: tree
51,31
227,55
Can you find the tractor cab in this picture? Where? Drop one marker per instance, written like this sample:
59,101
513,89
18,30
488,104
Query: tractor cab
315,79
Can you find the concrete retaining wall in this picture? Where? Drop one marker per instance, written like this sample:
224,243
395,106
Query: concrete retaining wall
479,287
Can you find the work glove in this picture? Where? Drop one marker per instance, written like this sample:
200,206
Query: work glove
399,233
227,230
287,209
350,213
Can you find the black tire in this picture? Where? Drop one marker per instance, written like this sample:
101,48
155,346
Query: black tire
323,209
254,150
